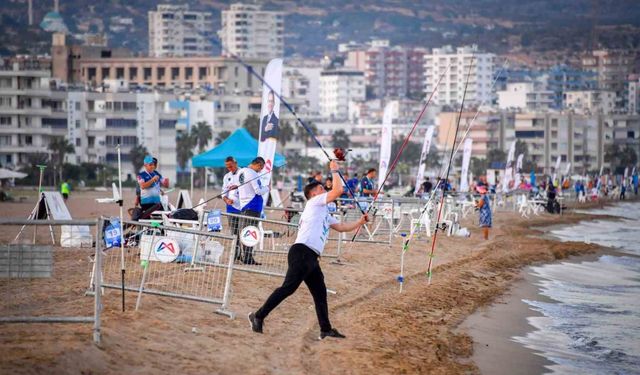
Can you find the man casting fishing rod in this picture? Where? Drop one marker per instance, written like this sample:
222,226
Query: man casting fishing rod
304,254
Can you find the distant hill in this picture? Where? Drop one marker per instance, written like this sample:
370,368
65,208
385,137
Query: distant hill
314,28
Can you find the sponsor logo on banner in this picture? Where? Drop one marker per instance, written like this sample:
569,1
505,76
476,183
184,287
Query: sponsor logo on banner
166,250
214,222
250,236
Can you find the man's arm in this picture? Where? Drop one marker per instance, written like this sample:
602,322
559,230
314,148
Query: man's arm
348,227
338,189
147,184
257,186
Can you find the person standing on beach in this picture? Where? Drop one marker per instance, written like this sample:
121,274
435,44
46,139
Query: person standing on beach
232,199
250,191
485,211
313,232
65,189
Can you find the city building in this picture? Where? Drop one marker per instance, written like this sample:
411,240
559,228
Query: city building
633,98
562,78
525,96
590,101
248,31
303,83
176,31
215,73
394,72
455,66
338,88
489,130
612,68
28,119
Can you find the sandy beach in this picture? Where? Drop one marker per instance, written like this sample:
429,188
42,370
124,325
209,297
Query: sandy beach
387,332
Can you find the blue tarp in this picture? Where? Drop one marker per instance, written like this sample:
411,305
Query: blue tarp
241,145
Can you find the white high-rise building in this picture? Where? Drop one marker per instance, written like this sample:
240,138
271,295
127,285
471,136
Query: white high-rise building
249,31
175,31
339,88
451,88
525,95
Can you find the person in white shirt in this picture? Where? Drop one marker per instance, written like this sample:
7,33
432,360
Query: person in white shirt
313,231
250,191
232,199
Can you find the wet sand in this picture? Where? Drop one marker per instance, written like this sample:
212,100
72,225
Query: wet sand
387,332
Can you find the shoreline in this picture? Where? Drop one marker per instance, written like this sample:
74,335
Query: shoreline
492,327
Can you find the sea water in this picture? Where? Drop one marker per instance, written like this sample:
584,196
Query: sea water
590,323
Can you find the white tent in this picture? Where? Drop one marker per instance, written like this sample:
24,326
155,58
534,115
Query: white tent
7,173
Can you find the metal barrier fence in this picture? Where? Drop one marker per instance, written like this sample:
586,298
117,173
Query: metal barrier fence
263,251
41,282
172,261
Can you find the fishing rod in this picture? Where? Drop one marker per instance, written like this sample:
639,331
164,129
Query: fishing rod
435,233
337,152
464,136
404,144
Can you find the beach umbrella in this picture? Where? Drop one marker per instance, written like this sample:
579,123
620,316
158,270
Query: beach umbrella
7,173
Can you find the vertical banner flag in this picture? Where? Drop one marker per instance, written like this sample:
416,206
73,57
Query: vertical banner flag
518,171
567,169
508,169
423,158
555,170
466,158
385,141
269,120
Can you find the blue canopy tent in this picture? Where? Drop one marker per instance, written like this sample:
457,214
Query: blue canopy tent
241,145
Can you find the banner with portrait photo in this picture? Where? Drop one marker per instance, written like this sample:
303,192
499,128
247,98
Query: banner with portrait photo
386,136
270,119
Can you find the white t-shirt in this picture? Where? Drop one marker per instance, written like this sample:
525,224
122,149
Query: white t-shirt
232,179
315,223
249,190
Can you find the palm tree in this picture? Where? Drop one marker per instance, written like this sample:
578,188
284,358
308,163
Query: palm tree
222,136
137,155
59,147
201,132
184,149
340,139
252,124
286,133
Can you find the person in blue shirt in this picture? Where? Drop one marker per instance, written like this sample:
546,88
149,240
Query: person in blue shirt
367,183
150,182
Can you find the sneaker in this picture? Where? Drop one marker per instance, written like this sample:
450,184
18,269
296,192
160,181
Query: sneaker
332,333
256,323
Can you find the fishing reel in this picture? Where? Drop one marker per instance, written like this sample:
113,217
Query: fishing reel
340,153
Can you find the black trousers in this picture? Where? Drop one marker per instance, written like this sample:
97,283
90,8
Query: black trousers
303,266
247,252
233,225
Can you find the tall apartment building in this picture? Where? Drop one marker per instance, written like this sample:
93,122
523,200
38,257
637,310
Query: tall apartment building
303,83
490,130
562,78
395,72
176,31
525,96
613,67
451,88
29,117
249,31
633,98
338,88
591,101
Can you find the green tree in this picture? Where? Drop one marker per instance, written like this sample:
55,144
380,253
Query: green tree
59,147
478,166
222,136
184,149
496,156
201,132
340,139
286,133
137,155
252,124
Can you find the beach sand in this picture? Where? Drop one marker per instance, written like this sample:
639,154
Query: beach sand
387,332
